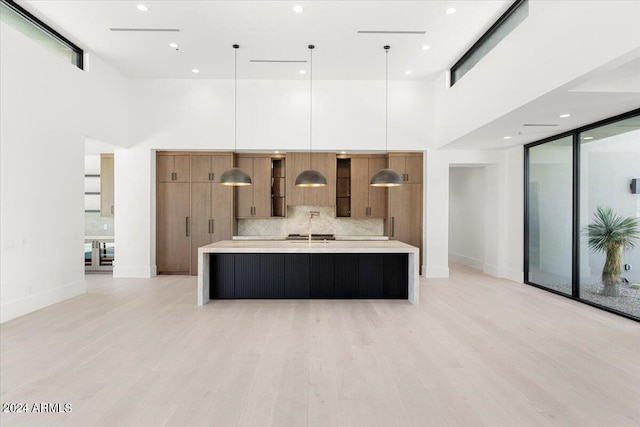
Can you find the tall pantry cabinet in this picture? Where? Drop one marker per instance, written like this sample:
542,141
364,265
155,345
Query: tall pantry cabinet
193,209
404,220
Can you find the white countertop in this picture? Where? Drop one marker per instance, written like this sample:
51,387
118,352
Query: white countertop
282,238
303,246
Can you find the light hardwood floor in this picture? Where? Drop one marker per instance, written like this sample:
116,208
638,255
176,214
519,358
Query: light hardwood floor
477,351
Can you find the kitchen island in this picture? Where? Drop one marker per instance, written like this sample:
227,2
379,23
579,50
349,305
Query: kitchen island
298,269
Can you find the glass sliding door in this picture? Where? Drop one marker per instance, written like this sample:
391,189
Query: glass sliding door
549,199
609,161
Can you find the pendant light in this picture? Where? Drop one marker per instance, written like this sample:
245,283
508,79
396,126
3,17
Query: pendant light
235,177
311,177
386,177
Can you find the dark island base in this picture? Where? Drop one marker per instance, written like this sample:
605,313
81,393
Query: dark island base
303,276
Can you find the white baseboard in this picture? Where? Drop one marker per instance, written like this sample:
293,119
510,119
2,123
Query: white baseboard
513,275
133,272
31,303
468,261
491,270
503,273
436,272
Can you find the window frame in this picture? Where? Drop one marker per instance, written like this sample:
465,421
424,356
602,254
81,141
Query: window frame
33,20
478,44
575,214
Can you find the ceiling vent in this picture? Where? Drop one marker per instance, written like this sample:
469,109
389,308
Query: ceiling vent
150,30
278,60
540,124
389,32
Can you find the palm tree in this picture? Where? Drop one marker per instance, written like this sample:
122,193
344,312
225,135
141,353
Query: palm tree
613,235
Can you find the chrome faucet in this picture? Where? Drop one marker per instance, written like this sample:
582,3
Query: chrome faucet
311,215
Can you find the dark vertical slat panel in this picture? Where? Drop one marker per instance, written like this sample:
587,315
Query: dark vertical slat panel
272,276
321,276
296,275
396,276
247,275
370,277
221,273
345,278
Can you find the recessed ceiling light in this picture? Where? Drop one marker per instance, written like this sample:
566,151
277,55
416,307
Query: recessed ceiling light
408,72
195,71
173,45
303,71
587,137
564,116
276,152
297,8
343,152
450,11
506,137
426,47
142,8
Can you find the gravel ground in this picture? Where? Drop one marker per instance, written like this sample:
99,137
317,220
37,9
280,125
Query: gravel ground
627,302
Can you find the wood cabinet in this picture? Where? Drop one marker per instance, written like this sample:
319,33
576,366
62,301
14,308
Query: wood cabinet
367,201
254,201
208,168
404,221
211,218
106,185
173,168
408,165
173,238
192,208
321,196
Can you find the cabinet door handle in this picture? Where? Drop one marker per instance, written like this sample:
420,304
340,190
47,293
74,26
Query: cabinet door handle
213,226
393,226
187,226
213,176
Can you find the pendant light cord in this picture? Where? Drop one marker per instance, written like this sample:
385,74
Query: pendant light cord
311,47
235,95
386,99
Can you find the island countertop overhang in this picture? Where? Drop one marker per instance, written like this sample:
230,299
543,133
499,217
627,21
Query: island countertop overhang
300,246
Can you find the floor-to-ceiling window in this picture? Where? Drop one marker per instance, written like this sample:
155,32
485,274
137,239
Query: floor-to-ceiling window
582,214
549,219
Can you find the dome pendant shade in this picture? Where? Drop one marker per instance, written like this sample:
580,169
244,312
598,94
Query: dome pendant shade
386,178
311,178
235,177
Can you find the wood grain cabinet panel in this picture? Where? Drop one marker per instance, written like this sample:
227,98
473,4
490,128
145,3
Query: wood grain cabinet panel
321,196
367,201
254,201
173,168
404,220
106,185
173,239
409,166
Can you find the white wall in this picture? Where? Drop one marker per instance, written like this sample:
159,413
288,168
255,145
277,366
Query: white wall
272,115
503,205
467,216
556,44
48,106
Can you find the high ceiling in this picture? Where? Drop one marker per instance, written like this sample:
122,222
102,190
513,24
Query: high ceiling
272,30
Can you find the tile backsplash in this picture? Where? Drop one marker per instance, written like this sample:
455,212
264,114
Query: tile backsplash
96,225
297,221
